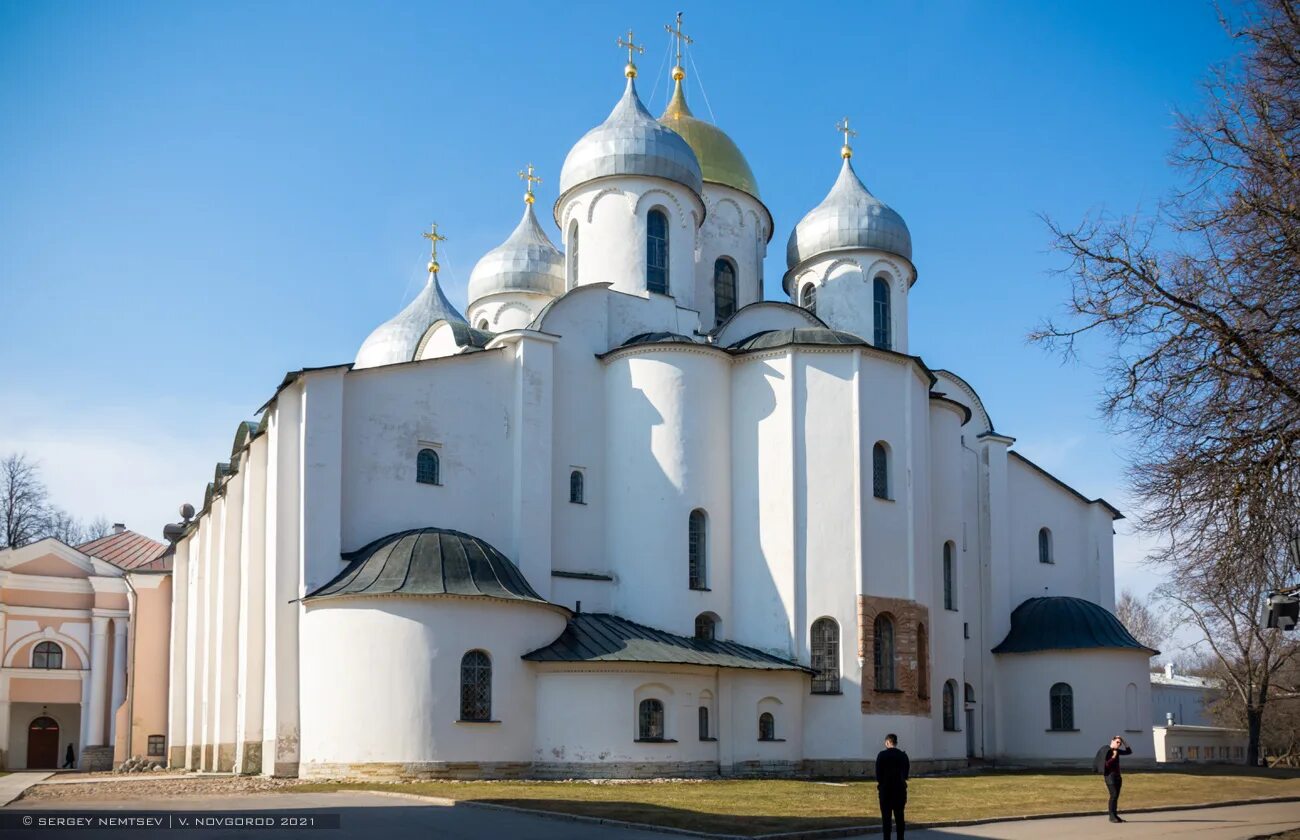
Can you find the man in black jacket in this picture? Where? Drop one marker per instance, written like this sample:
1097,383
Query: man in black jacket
892,768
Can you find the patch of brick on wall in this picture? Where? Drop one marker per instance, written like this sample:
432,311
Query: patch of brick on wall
907,617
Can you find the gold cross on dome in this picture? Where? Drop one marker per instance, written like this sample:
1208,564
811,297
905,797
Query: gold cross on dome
843,128
680,38
630,70
530,179
434,238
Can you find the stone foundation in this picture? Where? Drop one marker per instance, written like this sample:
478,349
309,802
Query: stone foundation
196,755
96,758
176,757
249,760
207,758
469,770
624,770
225,758
415,770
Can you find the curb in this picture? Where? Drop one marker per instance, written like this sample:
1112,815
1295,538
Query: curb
816,834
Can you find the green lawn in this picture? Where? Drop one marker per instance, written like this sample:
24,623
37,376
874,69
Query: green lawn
764,806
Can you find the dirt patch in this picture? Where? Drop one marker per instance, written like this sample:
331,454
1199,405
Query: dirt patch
160,788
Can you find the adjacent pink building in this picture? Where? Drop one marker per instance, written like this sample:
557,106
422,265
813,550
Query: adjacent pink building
84,634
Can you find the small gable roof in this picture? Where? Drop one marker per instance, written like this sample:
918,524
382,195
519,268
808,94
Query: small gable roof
127,550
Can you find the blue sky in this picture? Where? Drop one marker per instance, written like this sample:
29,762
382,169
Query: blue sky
195,198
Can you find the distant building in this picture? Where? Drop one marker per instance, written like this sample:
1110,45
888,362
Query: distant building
84,634
1181,724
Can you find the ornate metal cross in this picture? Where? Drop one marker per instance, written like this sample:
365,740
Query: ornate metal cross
434,238
679,37
530,179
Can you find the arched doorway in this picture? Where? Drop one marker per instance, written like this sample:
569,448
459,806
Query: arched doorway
43,744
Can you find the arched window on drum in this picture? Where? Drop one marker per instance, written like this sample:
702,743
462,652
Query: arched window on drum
656,246
724,290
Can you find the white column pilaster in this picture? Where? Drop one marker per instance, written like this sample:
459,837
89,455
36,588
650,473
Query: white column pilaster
98,680
120,628
84,737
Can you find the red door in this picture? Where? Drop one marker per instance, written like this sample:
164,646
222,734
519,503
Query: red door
43,744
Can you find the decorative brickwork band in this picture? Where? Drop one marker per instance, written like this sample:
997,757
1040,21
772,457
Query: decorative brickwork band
901,683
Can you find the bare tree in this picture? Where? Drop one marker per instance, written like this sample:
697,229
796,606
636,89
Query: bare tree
72,531
26,514
23,501
1202,300
1201,306
1224,573
1141,620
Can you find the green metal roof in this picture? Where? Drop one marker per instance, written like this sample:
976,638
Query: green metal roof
1061,623
602,637
429,561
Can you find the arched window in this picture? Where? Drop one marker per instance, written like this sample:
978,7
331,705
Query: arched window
656,252
427,468
825,656
1131,713
950,706
573,255
970,694
704,723
766,727
1062,700
884,333
922,662
475,686
808,298
880,471
706,626
697,536
483,325
651,720
576,488
883,649
48,655
1044,546
949,589
724,290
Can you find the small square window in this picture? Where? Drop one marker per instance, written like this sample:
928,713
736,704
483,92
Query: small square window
157,745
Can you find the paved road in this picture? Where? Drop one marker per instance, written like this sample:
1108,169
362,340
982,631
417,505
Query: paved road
1234,823
367,816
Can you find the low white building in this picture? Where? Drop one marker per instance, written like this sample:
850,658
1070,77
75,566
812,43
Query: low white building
637,520
1182,727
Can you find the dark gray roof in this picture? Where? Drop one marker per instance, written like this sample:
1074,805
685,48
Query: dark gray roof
1061,623
429,561
657,338
602,637
769,339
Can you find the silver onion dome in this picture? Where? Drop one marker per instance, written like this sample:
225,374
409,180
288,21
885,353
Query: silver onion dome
396,340
849,217
525,262
631,142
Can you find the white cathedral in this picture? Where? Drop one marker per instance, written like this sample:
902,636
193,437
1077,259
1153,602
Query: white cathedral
629,518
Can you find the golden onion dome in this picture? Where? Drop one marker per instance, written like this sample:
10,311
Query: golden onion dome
720,159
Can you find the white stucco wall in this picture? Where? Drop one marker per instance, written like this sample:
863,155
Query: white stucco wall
1102,706
415,718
